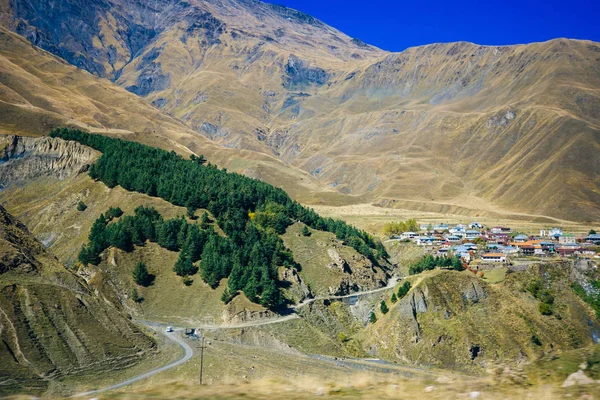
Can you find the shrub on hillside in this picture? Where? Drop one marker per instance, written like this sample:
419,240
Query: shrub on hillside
383,307
141,275
404,289
545,309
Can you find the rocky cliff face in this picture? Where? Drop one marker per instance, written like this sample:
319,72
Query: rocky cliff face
457,320
51,324
23,158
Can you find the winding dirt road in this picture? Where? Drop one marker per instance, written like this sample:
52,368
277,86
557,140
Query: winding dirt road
175,336
189,352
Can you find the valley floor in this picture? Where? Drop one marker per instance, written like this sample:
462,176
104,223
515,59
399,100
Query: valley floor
233,371
372,218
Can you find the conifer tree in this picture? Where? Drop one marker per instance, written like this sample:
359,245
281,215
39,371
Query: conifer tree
383,307
135,296
204,221
251,290
184,265
81,206
457,263
403,290
271,296
373,318
191,212
141,275
120,237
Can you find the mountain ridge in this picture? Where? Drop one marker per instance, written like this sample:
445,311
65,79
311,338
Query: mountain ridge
440,122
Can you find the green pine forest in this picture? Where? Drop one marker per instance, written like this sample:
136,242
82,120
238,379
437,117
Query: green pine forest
251,213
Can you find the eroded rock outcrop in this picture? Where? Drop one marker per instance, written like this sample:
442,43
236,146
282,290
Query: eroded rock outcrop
298,289
337,261
23,158
458,320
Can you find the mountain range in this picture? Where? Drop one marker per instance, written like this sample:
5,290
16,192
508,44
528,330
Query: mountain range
279,95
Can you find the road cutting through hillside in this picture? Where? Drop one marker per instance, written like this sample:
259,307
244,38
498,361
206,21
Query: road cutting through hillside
188,352
175,336
391,283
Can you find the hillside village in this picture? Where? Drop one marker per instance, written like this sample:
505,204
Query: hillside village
476,244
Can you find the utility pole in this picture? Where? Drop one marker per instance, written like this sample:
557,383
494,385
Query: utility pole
202,347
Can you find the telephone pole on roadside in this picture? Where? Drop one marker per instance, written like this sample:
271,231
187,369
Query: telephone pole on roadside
202,347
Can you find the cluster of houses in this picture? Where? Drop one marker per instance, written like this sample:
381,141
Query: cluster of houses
497,244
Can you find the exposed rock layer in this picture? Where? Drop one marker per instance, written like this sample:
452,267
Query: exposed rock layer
24,158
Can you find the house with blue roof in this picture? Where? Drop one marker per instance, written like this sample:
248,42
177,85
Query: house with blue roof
593,238
521,238
425,240
555,232
472,234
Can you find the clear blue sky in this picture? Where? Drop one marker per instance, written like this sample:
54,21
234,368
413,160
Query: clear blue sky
396,25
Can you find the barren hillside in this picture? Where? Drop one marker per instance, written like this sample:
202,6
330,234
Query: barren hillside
483,127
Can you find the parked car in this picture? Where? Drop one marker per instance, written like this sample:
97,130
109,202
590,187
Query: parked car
169,329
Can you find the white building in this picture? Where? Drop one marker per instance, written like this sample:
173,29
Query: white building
441,227
458,230
409,235
472,234
555,232
454,238
567,239
424,240
494,257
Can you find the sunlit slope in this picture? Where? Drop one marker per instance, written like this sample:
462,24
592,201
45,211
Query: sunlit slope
488,128
44,180
52,325
39,91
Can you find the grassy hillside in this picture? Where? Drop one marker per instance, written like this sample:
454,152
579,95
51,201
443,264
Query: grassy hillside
321,255
457,320
52,325
50,205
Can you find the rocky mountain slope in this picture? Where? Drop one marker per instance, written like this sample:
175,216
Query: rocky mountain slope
39,92
457,320
25,158
484,127
51,324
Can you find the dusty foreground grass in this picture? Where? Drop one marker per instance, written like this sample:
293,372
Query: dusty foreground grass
360,386
247,372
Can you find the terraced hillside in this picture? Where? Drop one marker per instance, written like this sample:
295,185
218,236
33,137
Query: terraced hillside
52,325
486,128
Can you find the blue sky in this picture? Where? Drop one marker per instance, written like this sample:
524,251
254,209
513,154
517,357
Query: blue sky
396,25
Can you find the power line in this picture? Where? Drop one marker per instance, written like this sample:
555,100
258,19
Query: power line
202,347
